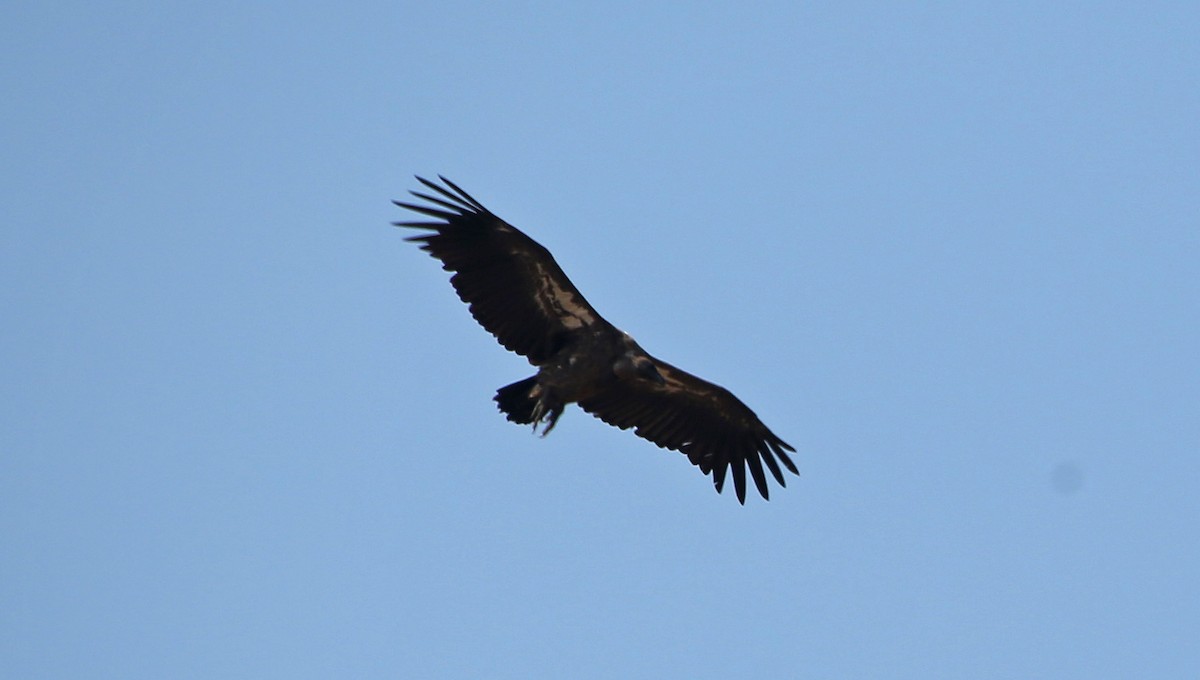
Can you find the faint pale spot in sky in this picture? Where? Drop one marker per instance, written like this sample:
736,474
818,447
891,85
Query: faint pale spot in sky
1067,478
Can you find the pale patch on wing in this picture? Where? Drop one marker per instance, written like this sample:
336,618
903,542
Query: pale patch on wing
672,381
559,303
696,389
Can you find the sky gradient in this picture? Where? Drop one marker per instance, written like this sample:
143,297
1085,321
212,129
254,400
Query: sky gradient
951,254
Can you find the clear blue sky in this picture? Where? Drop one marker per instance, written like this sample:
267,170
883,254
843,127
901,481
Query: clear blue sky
950,252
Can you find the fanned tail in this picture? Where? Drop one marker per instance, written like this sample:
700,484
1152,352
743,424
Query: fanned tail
520,405
515,401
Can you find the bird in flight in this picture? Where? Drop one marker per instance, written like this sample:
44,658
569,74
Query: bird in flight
517,292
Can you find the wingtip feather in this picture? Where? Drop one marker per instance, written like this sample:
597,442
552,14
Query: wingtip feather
756,472
738,467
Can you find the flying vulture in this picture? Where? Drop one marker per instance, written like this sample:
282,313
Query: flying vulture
516,291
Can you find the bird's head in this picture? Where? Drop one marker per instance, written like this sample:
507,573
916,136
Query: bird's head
637,367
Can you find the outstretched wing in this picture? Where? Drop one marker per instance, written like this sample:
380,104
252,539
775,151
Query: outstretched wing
511,283
716,431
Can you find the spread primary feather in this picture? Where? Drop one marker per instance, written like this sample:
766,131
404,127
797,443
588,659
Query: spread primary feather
519,294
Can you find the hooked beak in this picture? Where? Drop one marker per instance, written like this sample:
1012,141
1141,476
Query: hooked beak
651,373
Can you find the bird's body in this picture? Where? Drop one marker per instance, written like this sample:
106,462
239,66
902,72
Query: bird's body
516,291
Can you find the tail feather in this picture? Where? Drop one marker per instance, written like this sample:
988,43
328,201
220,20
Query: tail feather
515,402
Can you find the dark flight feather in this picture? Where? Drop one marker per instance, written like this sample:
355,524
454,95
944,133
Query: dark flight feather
511,284
711,425
518,293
